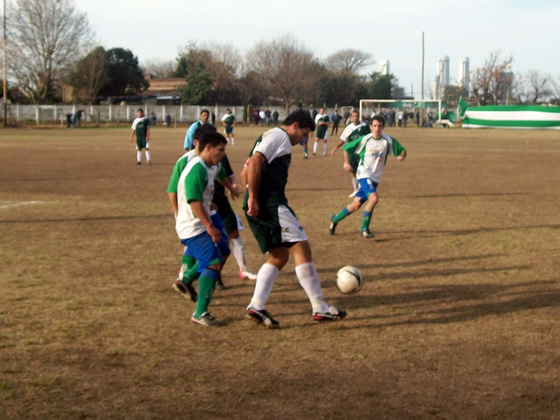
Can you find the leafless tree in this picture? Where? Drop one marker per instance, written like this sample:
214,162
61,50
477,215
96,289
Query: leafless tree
492,82
44,37
348,61
538,86
286,67
555,89
159,69
89,76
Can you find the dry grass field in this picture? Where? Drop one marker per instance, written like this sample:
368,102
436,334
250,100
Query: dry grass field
459,317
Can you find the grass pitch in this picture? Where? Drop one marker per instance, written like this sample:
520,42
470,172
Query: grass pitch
458,317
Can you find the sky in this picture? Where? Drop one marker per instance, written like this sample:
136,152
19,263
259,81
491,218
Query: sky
527,30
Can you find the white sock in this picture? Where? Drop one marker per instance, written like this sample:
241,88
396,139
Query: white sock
233,140
315,146
238,251
325,148
138,156
354,183
263,286
309,280
147,155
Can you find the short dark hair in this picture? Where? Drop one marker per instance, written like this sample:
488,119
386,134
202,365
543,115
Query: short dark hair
205,110
302,117
140,110
212,138
199,132
378,118
355,112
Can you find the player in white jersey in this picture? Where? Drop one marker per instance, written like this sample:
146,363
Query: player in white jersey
141,127
322,122
373,150
355,129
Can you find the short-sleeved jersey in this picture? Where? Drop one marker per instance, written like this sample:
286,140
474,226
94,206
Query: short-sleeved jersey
229,119
353,131
189,137
196,183
276,148
373,154
180,165
322,129
140,125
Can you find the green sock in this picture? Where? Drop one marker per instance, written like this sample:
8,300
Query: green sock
366,220
206,286
338,217
191,275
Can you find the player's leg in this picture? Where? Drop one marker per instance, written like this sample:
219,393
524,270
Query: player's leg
210,266
222,245
354,163
359,199
325,147
138,156
309,280
187,275
147,152
370,204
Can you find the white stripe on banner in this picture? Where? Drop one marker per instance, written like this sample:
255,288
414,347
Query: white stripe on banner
512,115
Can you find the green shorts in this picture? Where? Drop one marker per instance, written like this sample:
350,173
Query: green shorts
229,219
229,130
276,227
141,144
354,162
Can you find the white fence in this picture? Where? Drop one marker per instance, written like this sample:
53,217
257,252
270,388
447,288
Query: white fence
105,114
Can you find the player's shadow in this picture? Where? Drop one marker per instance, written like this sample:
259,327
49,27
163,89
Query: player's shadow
455,303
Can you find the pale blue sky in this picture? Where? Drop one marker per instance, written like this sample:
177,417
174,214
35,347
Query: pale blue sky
392,31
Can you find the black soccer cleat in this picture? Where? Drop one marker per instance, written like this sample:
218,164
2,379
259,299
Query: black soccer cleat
261,317
332,227
332,314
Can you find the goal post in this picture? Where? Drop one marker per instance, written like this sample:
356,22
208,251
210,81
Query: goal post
369,107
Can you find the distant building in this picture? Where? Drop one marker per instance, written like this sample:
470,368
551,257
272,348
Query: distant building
463,79
163,90
384,67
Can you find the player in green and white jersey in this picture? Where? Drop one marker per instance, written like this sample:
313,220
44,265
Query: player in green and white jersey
274,224
228,121
373,150
355,129
322,122
194,226
141,126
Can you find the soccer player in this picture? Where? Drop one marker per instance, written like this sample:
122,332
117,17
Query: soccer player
194,225
373,150
355,129
275,225
322,122
141,126
228,121
188,144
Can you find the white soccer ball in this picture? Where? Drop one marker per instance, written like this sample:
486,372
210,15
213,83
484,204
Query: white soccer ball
349,280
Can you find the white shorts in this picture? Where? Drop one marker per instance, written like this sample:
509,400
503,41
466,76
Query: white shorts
291,228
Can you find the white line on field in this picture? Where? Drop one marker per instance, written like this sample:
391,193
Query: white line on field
23,203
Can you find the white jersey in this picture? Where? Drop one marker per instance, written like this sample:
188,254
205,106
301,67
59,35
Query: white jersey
349,130
373,155
187,224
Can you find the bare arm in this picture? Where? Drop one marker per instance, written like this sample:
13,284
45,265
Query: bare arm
174,203
131,136
230,186
254,169
346,165
340,143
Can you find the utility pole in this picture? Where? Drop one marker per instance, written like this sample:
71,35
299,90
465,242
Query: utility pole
5,86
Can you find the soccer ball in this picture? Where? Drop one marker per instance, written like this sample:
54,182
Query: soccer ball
349,280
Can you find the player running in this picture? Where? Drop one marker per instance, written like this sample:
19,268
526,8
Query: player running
228,121
373,150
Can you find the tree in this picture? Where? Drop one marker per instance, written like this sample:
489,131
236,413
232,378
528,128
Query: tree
198,86
451,95
45,37
287,68
125,75
160,69
348,61
90,75
538,86
492,82
380,85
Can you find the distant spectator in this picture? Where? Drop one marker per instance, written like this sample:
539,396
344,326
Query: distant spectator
256,117
335,118
275,116
267,115
153,118
213,118
417,117
262,116
168,120
430,118
405,118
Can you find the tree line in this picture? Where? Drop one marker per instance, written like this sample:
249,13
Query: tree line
47,40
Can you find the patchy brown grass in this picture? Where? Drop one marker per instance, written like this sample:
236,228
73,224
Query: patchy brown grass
458,319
